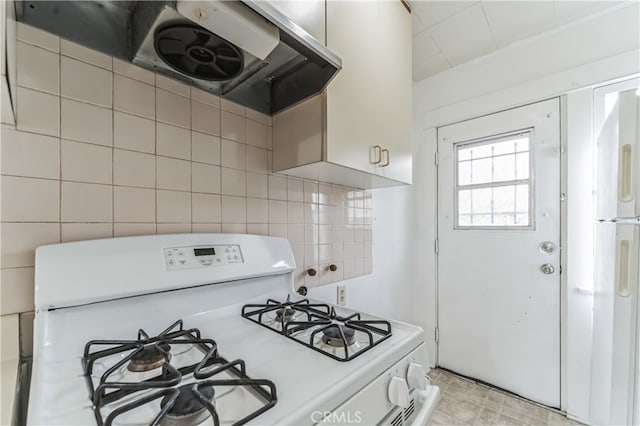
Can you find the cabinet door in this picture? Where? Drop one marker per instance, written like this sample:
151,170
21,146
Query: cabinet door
394,89
352,112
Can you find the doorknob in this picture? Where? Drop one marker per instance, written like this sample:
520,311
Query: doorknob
547,269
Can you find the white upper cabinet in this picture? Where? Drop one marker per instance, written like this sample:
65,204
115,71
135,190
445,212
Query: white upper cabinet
358,132
352,97
394,89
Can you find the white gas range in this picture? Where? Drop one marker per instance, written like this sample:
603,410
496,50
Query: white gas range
205,329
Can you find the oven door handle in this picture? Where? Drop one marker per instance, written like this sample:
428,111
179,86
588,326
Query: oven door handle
429,399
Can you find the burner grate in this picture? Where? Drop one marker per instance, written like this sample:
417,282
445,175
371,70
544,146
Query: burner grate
320,318
165,382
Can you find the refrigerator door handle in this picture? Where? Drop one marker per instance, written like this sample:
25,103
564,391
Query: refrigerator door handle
626,173
624,258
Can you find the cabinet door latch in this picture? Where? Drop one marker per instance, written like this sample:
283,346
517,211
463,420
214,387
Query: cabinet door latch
386,156
375,154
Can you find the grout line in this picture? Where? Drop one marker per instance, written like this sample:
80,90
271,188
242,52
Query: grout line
59,142
155,151
113,137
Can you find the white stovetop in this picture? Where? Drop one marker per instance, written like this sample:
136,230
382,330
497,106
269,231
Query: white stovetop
305,379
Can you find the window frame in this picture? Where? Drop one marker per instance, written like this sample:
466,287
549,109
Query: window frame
489,140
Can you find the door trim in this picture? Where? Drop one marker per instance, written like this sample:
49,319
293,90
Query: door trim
562,237
564,304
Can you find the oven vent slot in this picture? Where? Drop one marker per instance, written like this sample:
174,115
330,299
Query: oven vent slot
409,410
397,420
403,416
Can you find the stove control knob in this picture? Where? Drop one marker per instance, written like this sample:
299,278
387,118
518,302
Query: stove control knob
398,392
416,376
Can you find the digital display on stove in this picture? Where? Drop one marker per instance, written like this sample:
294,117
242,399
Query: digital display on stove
209,251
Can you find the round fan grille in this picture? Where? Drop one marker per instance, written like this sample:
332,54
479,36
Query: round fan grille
198,53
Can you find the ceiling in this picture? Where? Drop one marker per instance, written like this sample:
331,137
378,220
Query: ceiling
449,33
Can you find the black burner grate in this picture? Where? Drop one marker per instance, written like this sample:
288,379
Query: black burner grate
323,319
169,377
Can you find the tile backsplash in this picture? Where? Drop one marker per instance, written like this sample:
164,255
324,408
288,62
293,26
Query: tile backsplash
102,148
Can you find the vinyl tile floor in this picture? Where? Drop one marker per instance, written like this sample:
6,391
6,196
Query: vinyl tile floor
465,402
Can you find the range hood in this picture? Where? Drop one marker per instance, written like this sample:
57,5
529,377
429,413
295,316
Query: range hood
244,51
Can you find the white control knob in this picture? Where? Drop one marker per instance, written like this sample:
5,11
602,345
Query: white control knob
398,392
416,376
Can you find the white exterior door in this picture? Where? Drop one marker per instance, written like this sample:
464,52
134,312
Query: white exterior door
499,257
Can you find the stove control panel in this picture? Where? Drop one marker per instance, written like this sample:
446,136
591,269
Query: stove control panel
179,258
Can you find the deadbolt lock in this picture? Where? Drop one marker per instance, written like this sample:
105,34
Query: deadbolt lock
547,247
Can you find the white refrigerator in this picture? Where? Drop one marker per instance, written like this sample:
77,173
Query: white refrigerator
615,396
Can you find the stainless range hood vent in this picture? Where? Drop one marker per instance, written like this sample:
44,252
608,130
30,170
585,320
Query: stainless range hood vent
247,52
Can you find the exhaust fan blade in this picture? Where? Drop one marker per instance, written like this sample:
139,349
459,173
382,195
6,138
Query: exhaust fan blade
189,65
171,46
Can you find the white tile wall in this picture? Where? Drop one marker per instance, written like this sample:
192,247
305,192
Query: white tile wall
84,82
39,112
85,122
134,133
103,149
41,68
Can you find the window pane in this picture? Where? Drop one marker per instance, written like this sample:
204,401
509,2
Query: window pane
518,143
498,162
504,168
504,199
464,173
464,154
489,188
522,165
522,144
507,147
504,219
494,206
477,151
464,202
522,198
481,200
481,171
464,220
522,219
481,220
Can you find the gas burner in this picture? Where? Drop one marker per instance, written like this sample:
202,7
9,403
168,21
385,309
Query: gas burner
150,358
331,336
186,409
319,327
285,314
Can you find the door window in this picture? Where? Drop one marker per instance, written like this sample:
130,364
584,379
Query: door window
494,182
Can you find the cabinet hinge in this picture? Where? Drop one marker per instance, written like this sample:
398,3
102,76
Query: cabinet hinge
436,159
437,335
436,246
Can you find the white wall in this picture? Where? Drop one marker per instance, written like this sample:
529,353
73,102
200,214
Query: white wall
601,48
388,291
